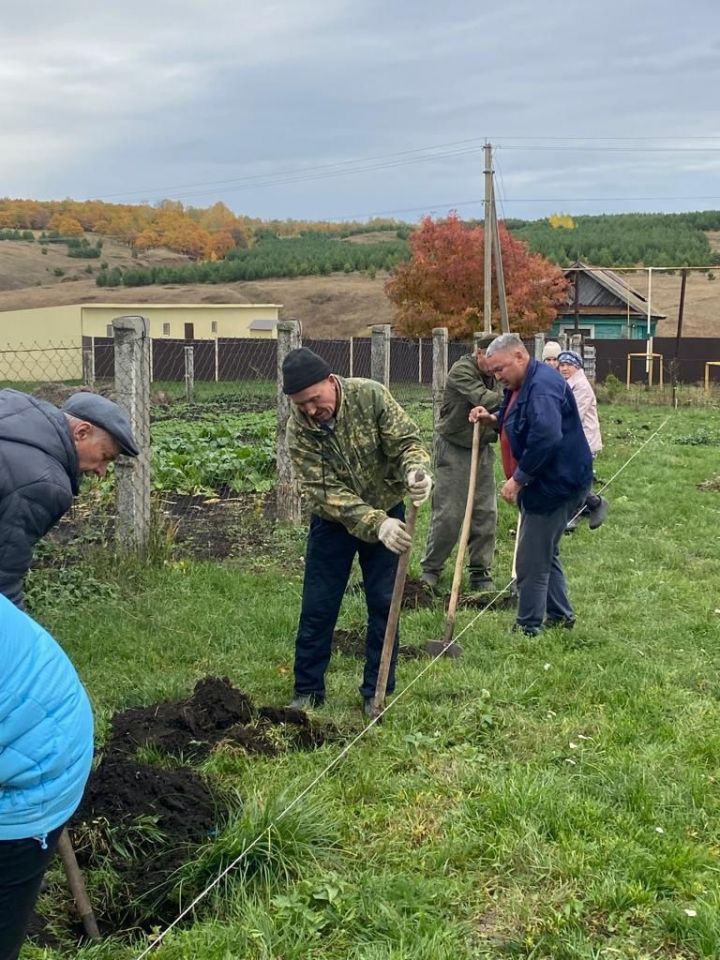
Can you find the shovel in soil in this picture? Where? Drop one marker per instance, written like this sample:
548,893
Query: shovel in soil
394,614
77,886
445,647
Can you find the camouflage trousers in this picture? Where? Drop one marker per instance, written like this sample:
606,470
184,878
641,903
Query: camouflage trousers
452,476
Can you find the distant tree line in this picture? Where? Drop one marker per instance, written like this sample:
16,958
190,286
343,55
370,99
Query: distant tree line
271,258
625,239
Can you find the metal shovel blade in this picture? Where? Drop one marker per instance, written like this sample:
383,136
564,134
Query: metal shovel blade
438,648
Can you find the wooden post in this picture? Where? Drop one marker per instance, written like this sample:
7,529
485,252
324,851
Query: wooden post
287,492
439,370
678,336
499,269
539,345
488,233
132,389
189,373
380,354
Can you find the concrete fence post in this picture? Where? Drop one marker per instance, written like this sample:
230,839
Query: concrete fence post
380,353
419,359
562,339
351,363
132,389
589,358
439,369
539,345
88,364
217,361
287,491
189,373
576,343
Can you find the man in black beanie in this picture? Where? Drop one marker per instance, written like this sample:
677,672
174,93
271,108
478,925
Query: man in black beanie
355,453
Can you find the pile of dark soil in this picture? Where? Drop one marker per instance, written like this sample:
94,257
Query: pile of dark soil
105,834
215,712
138,823
352,644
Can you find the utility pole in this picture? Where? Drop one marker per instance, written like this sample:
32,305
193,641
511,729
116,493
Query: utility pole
487,281
499,269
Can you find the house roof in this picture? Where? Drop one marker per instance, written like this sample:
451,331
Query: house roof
599,283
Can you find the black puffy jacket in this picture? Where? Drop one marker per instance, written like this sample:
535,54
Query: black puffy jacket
38,480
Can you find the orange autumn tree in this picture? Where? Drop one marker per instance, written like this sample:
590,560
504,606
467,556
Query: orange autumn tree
442,284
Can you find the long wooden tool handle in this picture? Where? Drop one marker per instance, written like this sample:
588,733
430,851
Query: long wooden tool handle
77,886
464,535
394,613
517,544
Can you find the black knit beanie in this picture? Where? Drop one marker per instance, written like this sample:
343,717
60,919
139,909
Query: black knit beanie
301,369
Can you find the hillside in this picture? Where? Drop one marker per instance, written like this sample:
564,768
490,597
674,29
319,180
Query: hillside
335,304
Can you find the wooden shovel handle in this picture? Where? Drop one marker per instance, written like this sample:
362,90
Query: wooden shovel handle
464,535
394,613
77,886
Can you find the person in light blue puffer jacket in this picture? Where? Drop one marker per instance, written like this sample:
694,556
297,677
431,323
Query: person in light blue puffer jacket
46,750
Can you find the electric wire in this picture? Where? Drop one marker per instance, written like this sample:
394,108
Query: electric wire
346,749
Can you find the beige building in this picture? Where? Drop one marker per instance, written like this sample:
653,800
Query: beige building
44,343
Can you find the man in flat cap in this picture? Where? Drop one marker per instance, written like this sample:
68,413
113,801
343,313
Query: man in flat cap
43,452
355,453
469,384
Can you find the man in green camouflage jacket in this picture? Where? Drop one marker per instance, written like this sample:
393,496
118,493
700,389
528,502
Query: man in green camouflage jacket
355,454
468,385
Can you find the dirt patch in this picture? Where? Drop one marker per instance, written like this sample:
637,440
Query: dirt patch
216,712
352,644
416,596
712,485
478,601
221,528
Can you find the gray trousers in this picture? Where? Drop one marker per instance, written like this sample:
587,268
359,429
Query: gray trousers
452,476
542,588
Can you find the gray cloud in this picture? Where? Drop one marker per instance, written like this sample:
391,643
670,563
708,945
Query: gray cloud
165,98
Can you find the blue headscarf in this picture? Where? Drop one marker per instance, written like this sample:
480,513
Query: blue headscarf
569,356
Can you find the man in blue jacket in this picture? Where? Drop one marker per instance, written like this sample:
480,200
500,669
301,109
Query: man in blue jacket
43,452
548,466
46,748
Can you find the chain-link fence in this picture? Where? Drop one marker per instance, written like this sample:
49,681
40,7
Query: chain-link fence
205,414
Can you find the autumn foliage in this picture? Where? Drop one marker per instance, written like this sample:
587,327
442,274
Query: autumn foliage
442,284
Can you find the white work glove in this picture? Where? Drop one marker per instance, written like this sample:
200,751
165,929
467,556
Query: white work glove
419,489
393,534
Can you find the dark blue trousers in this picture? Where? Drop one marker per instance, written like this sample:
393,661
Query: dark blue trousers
328,561
22,866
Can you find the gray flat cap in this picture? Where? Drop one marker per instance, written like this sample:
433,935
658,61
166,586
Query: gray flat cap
105,414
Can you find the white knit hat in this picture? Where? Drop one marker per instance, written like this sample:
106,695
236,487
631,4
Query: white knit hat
551,350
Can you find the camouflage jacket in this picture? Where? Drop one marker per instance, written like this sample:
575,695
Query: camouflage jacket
467,387
355,472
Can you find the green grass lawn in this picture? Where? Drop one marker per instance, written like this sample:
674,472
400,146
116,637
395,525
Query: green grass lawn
549,798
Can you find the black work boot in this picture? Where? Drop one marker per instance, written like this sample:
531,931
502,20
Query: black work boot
481,582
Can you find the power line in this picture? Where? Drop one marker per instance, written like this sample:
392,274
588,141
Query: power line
464,147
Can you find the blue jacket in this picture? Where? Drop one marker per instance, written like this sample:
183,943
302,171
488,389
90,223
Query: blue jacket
46,730
547,439
38,479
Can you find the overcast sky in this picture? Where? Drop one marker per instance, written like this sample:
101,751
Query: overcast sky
351,108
